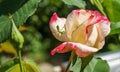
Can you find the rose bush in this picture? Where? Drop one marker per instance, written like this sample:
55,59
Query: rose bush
83,31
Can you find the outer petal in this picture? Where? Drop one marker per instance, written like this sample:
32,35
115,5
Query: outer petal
62,48
101,20
105,26
57,27
80,49
93,36
100,39
80,34
74,20
103,29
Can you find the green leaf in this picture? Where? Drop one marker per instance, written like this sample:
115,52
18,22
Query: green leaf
115,25
98,5
77,66
78,3
81,64
116,31
19,9
85,62
5,27
13,66
97,65
115,28
21,15
8,65
112,9
119,37
29,66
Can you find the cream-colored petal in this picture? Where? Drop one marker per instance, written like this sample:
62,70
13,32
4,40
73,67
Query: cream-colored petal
57,27
105,28
79,35
93,36
100,39
74,20
82,50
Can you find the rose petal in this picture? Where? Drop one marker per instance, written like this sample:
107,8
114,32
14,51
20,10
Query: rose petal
79,35
100,39
53,18
93,36
62,48
105,28
80,49
57,27
103,22
74,20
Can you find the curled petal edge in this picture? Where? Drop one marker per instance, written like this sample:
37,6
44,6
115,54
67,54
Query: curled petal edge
57,27
53,18
80,49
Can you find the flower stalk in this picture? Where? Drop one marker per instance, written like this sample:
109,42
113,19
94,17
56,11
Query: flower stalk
70,61
20,61
18,41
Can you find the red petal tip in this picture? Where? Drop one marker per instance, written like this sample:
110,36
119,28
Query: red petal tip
52,52
53,18
76,12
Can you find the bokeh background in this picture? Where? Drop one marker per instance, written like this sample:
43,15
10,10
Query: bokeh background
39,41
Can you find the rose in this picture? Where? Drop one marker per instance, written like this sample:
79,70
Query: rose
83,31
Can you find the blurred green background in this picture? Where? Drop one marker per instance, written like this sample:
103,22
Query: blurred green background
39,41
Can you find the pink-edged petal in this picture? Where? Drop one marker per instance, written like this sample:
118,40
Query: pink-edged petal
105,27
62,48
101,20
82,50
53,18
57,27
95,18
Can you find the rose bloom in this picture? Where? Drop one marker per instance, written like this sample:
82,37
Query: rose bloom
83,31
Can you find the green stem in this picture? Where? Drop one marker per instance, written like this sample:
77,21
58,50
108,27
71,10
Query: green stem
20,60
69,62
18,41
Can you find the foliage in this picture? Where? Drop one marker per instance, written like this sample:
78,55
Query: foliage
78,3
95,65
12,15
20,10
13,66
38,38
